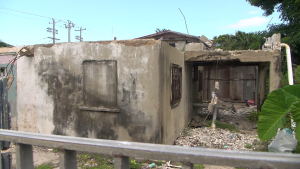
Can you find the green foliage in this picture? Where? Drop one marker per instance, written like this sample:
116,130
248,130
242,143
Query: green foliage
183,49
263,146
134,164
44,166
296,75
160,30
275,109
159,163
88,161
3,44
186,131
253,116
249,146
55,150
230,127
240,41
290,17
289,9
198,166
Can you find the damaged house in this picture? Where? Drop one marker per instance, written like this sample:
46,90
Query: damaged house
139,90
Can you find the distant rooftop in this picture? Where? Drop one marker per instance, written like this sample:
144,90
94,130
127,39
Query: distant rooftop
167,32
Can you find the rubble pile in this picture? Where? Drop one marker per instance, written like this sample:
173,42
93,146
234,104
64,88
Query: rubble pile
205,137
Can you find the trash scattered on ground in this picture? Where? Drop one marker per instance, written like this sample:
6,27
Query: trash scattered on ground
218,138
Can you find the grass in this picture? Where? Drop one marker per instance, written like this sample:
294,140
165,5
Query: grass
44,166
134,164
230,127
198,166
249,146
263,146
55,150
186,131
88,161
253,116
297,150
159,163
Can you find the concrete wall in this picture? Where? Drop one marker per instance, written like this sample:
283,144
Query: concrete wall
179,44
174,120
194,47
50,91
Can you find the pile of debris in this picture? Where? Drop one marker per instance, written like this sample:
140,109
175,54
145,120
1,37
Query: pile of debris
205,137
201,134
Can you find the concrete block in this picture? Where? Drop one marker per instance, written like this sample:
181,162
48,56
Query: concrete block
122,162
67,159
24,156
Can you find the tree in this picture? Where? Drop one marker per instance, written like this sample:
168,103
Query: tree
3,44
290,26
289,9
160,30
240,41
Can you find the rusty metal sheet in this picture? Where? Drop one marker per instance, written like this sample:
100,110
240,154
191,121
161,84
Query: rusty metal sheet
250,83
236,83
236,86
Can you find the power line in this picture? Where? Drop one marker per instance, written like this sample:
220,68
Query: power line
24,17
5,8
9,9
26,42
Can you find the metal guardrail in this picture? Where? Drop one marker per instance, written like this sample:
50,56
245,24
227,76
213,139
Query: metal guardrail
122,150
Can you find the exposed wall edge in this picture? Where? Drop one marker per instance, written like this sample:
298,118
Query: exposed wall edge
100,109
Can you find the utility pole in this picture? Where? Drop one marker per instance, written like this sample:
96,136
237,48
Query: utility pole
53,30
70,25
80,38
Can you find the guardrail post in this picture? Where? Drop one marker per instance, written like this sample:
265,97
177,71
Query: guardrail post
24,156
67,159
121,162
187,165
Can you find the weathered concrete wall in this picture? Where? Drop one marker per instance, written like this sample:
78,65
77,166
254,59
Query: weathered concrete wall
194,47
179,44
50,91
175,119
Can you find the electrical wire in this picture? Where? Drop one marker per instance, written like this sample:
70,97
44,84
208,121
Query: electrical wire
9,9
5,8
23,17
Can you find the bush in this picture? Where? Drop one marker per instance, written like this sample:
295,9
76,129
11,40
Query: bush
296,74
253,116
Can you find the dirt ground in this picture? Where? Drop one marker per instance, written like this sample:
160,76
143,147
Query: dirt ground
198,135
41,156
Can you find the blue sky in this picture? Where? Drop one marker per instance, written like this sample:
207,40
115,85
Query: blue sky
128,19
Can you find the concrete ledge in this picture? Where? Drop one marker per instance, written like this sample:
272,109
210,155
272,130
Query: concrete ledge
100,109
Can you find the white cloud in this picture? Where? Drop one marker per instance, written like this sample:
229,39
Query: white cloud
252,12
255,21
